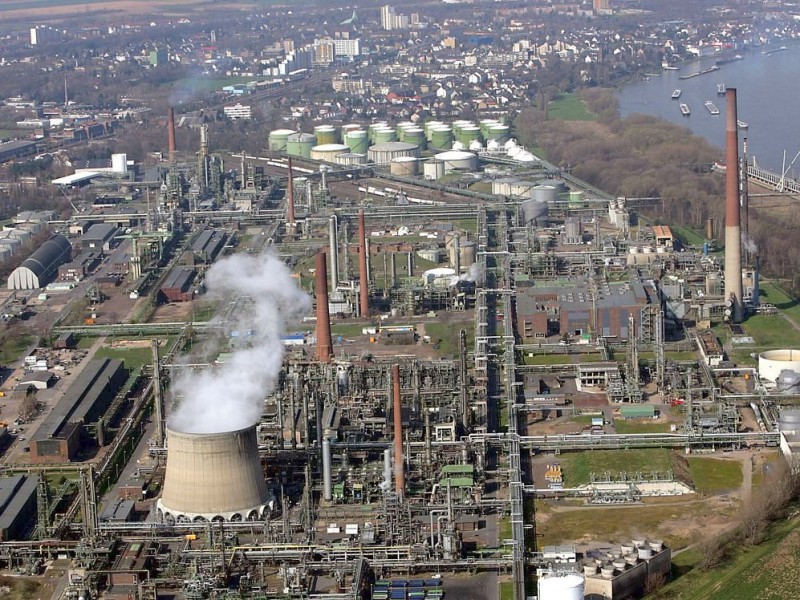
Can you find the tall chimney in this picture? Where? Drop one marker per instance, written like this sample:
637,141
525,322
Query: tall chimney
399,473
324,340
171,132
710,228
333,240
362,264
290,194
733,248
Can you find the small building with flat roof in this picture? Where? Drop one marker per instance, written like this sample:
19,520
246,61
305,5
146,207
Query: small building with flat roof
17,506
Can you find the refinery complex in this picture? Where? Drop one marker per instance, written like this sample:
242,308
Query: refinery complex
339,370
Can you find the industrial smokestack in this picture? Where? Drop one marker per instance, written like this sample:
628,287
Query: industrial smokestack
333,240
362,265
324,340
399,473
290,195
327,476
171,132
733,248
709,228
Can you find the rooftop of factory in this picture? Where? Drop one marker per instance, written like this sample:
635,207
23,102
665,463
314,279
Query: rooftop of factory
577,293
15,492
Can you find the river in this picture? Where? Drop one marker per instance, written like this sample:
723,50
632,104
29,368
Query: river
768,91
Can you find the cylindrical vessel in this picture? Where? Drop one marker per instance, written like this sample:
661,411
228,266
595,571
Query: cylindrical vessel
213,476
328,152
327,476
385,135
733,249
324,339
350,159
561,587
278,139
383,154
433,170
357,141
300,144
776,364
404,166
458,160
441,137
326,134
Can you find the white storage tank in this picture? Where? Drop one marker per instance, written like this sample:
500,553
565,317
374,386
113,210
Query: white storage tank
433,170
545,193
119,163
457,160
351,158
779,369
404,166
567,586
328,152
383,154
535,212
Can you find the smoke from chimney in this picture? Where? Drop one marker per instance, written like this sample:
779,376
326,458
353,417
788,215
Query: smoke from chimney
733,249
399,472
171,132
324,339
362,264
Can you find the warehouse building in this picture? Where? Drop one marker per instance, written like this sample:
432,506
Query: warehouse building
16,149
41,267
99,237
208,245
17,506
177,286
58,439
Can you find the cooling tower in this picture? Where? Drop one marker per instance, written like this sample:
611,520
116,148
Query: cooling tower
213,476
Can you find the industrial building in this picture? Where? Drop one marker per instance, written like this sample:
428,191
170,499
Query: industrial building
41,267
99,237
17,506
59,437
208,245
177,287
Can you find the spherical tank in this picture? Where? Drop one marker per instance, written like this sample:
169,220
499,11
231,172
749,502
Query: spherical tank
561,587
404,166
383,154
776,364
454,160
535,212
328,152
545,193
213,476
300,144
357,140
278,139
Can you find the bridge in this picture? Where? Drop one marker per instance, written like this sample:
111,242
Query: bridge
779,183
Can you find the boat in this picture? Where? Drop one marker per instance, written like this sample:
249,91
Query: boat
775,51
742,124
712,107
721,89
685,110
676,94
667,67
710,69
730,59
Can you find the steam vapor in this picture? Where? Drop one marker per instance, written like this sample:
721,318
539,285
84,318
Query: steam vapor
231,397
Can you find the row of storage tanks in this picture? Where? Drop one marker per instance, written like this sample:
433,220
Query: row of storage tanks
355,139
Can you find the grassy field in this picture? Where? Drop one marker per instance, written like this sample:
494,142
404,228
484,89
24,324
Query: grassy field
506,590
590,358
569,107
715,476
688,235
625,426
548,359
347,329
772,331
769,571
12,347
772,294
578,465
446,336
133,357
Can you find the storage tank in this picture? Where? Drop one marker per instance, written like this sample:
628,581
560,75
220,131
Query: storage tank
278,139
404,166
328,152
357,140
525,156
535,212
326,134
468,252
475,146
566,586
469,133
351,127
383,154
383,136
576,197
213,476
545,193
300,144
119,163
456,160
498,133
350,158
433,169
429,126
439,277
779,369
415,135
441,137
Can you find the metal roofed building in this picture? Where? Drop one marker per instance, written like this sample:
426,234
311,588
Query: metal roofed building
574,308
58,438
208,245
17,506
41,267
99,237
177,286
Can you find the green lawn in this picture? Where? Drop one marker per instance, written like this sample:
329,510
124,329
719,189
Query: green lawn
446,336
13,347
680,355
548,359
133,357
578,465
625,426
569,107
688,235
772,331
348,329
772,294
506,590
590,357
714,475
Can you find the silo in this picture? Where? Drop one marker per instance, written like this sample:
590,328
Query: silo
357,141
430,126
545,193
441,137
561,586
404,166
385,135
374,127
575,197
458,161
326,134
415,135
469,133
350,159
774,365
468,252
534,212
433,169
213,477
328,152
278,139
486,125
383,154
300,144
119,163
498,133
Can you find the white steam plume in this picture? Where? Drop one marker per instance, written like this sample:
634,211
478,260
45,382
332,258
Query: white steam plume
231,397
